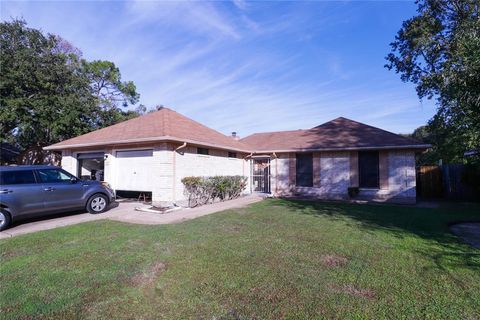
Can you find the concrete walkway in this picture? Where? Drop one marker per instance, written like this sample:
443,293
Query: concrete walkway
125,212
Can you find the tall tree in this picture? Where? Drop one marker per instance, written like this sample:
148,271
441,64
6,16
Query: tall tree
439,51
112,94
47,92
44,96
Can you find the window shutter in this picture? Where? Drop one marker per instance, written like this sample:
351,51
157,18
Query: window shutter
316,169
383,169
354,169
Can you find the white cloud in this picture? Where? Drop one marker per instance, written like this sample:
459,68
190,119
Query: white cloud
240,4
196,17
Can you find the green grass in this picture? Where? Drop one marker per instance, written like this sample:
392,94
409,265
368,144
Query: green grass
267,261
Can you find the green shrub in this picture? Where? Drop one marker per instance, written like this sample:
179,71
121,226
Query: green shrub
202,190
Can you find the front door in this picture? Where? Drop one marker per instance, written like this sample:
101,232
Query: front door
261,175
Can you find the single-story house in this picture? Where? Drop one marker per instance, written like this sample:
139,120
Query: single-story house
153,152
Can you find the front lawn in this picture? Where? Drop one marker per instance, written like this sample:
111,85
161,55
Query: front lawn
274,259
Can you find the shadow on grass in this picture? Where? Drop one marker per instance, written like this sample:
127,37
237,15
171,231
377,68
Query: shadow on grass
401,221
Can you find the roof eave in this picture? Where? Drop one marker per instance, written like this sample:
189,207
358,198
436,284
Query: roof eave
175,139
142,140
416,146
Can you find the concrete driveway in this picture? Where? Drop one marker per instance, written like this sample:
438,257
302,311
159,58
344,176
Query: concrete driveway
125,212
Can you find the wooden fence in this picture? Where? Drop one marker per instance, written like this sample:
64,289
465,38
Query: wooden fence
451,181
429,182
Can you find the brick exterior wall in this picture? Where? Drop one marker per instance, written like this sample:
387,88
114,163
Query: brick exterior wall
334,172
280,175
331,176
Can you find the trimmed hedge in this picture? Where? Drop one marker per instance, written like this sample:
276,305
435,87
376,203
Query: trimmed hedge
202,190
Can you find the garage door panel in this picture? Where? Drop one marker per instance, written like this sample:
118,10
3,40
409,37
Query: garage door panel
134,170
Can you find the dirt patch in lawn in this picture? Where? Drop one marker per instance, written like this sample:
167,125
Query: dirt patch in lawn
147,277
468,232
334,261
354,291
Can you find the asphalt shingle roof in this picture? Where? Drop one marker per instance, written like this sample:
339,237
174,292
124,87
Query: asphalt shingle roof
164,124
168,125
338,134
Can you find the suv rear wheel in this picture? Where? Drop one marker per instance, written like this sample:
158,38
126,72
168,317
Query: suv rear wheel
97,203
4,219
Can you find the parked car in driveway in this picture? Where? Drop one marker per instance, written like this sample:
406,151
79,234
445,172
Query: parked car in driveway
28,191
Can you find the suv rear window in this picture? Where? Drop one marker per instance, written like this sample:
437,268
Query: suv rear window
17,177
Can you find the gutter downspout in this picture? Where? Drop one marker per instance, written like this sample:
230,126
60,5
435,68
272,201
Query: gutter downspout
174,171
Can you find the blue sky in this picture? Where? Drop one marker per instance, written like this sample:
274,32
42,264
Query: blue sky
247,66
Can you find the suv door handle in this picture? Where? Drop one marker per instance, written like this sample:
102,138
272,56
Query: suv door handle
5,191
49,189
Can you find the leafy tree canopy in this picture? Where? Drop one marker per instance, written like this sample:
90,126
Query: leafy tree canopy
48,93
439,51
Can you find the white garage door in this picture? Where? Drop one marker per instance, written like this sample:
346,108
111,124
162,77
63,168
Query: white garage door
134,169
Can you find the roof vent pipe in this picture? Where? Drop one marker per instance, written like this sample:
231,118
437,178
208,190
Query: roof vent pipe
234,135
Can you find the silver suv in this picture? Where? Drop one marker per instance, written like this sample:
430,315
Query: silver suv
27,191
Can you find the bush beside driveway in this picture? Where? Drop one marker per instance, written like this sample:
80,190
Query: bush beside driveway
274,259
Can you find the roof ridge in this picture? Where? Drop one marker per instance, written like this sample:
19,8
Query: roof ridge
367,125
267,132
201,124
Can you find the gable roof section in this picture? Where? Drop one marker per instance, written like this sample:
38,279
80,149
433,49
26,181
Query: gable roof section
338,134
164,124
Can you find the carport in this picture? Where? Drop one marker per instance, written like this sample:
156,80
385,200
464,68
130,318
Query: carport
91,165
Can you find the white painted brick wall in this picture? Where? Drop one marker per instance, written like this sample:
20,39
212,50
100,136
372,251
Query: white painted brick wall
68,162
163,173
189,163
108,170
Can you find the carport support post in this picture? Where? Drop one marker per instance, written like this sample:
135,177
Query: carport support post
107,166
